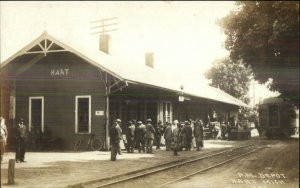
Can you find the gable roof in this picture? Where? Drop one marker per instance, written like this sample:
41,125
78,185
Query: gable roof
136,74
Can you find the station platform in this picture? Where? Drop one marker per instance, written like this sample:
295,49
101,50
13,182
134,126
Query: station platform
63,169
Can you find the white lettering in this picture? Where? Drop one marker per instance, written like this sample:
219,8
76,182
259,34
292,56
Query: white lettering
59,72
283,175
261,175
273,182
240,175
237,181
67,72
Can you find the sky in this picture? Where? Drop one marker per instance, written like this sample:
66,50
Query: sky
183,36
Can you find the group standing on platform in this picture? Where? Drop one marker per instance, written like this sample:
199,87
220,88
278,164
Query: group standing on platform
176,136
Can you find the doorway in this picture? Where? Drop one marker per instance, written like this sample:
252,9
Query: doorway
36,113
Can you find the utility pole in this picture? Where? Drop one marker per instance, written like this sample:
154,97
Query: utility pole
105,27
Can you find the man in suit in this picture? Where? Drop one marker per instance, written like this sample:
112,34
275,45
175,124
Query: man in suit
168,136
175,140
198,134
21,136
118,127
159,131
130,137
140,134
149,136
114,140
188,135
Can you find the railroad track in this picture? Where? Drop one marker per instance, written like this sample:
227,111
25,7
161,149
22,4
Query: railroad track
164,174
168,173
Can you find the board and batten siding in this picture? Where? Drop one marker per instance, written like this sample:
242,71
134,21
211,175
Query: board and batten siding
59,78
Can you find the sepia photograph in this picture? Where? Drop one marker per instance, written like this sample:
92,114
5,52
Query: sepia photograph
149,94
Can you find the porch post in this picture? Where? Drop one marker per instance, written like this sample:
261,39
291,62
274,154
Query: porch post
107,92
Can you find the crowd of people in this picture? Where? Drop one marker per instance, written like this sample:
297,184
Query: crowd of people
176,136
136,135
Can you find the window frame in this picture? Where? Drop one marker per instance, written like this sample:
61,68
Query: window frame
42,112
76,113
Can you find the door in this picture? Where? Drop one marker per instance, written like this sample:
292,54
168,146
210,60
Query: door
273,116
36,113
83,114
165,111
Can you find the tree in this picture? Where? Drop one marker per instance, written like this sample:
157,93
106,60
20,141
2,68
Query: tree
265,35
232,77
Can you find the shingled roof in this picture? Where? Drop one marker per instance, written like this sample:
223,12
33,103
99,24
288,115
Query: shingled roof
124,71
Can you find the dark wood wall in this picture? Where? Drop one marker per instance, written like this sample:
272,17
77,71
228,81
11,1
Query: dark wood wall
59,78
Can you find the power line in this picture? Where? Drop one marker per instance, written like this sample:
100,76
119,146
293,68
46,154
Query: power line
103,25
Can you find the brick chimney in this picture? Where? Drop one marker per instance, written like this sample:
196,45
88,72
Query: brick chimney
149,60
104,43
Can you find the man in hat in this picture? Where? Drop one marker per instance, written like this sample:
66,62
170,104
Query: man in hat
168,136
140,134
175,139
150,131
114,140
159,131
188,131
130,137
118,127
21,136
198,134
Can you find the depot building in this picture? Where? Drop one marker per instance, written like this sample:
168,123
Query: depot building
74,90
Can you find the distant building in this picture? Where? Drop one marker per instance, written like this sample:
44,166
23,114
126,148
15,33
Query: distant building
74,91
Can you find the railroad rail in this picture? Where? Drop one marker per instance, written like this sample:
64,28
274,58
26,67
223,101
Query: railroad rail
190,163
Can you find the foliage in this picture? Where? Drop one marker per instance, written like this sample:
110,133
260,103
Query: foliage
265,35
234,78
250,114
231,77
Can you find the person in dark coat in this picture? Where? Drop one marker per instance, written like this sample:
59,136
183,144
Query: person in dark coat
150,131
168,136
188,132
118,126
181,136
198,134
130,137
114,140
140,135
159,131
175,140
223,130
21,137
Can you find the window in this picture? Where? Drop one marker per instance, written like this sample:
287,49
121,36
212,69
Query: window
273,116
83,114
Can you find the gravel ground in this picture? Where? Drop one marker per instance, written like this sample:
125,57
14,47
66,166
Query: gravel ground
60,169
274,167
